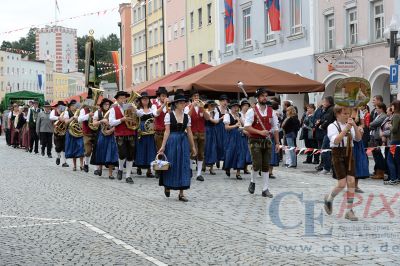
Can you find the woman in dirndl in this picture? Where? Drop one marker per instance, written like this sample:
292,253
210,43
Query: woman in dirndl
25,136
177,137
106,147
145,144
221,110
210,152
73,145
234,154
16,121
244,107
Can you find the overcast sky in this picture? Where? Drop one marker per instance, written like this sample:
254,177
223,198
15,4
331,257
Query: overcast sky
17,14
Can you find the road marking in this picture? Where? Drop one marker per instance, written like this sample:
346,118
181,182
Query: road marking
123,244
31,218
31,225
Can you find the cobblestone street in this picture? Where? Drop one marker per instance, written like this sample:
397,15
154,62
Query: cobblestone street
52,215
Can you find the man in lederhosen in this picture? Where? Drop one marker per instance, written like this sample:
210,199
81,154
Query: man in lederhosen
159,108
198,119
262,124
125,137
59,141
33,113
88,135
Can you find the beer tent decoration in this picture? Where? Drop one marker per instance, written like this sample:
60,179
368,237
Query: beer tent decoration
225,77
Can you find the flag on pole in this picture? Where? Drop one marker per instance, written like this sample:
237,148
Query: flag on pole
57,7
115,58
274,12
229,27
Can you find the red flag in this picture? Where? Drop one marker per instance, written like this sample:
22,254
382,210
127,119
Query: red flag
274,12
115,57
229,27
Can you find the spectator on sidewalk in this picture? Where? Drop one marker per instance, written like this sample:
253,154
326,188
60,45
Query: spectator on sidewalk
327,118
308,133
393,158
291,126
376,140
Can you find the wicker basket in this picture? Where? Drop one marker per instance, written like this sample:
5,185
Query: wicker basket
160,157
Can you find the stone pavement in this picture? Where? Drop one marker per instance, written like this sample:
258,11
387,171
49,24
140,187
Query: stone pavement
51,215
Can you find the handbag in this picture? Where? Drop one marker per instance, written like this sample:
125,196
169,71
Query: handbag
160,163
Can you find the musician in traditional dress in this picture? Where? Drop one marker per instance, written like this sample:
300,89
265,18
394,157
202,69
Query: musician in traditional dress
341,134
106,148
210,147
74,147
24,138
89,136
234,156
198,125
59,139
15,125
177,137
145,144
44,129
262,125
33,113
221,110
160,109
125,136
244,107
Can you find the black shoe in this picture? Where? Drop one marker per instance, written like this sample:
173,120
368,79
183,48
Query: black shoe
139,171
252,187
111,177
272,176
218,164
85,168
327,205
259,173
183,198
42,153
119,175
30,150
319,168
200,178
150,175
307,162
228,172
65,165
129,180
98,172
49,156
315,163
266,194
167,193
58,161
239,177
212,172
246,172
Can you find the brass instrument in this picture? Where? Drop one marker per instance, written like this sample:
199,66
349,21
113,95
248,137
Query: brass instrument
201,103
75,128
60,128
96,95
149,128
133,120
105,128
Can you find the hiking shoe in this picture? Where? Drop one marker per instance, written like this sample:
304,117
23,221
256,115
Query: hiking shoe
351,216
327,205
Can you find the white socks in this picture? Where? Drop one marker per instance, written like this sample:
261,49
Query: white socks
128,168
121,164
192,163
199,167
87,160
266,180
58,155
252,176
63,157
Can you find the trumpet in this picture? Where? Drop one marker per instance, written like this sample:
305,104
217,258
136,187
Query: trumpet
200,103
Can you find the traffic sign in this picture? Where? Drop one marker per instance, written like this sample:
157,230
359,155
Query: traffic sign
394,74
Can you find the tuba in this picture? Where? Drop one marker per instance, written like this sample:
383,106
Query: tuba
60,128
74,127
105,128
96,95
133,122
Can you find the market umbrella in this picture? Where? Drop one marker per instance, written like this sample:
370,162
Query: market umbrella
224,78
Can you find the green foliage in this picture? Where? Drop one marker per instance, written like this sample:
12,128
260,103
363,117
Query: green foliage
25,43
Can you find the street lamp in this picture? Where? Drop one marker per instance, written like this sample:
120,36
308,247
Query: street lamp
143,4
390,34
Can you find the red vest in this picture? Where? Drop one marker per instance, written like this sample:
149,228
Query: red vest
266,121
159,120
85,125
198,121
121,129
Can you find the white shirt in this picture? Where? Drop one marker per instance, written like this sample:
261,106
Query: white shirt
96,115
66,115
216,114
227,118
242,117
53,116
113,121
154,108
82,116
29,113
250,118
167,119
141,112
333,132
187,110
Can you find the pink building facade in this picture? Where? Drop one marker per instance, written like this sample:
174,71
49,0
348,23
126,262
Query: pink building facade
126,52
175,35
354,29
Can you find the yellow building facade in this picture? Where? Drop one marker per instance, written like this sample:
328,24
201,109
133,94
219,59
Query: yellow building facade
60,86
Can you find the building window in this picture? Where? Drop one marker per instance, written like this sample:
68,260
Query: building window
182,27
330,30
191,21
209,17
156,68
177,66
379,20
246,27
295,21
176,31
183,65
169,33
155,36
134,16
155,5
353,24
210,53
269,35
162,67
200,12
150,38
149,7
151,71
170,68
200,58
193,61
161,34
